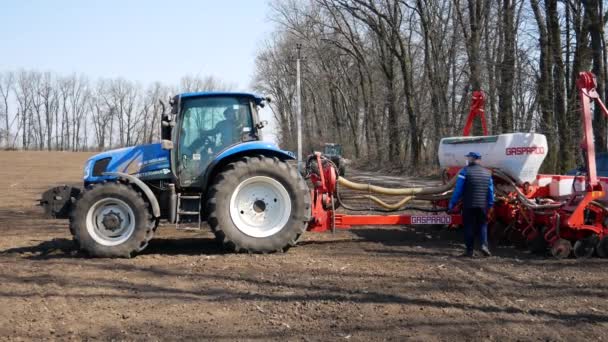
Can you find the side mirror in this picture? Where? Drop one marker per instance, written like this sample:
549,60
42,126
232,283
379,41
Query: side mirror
174,102
166,126
166,144
261,124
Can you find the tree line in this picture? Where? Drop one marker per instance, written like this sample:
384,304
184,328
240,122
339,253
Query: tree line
388,78
47,111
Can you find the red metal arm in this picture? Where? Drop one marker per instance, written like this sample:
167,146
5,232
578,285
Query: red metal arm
586,84
477,104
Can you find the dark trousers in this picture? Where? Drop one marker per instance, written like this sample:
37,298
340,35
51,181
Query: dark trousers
475,220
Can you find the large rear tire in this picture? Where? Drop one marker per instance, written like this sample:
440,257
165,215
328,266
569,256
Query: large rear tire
112,220
258,205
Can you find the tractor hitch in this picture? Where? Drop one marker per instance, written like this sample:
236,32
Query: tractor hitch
57,202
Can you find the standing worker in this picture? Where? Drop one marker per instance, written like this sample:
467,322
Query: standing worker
474,185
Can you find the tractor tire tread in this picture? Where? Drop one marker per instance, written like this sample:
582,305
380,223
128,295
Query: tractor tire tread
229,178
135,244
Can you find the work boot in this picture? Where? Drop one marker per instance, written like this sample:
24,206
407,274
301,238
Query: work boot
486,251
467,254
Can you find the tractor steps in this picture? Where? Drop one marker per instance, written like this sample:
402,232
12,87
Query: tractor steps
185,206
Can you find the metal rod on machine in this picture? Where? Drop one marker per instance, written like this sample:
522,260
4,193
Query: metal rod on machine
299,107
477,104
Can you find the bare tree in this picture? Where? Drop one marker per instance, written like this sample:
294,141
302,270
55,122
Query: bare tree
7,81
389,78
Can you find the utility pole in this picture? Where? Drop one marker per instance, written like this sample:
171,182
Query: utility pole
299,107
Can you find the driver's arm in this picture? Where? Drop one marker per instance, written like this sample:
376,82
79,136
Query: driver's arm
210,132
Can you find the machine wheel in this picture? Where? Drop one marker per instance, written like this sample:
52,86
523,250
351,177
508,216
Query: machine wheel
561,249
112,220
516,238
258,205
602,247
496,233
584,248
538,245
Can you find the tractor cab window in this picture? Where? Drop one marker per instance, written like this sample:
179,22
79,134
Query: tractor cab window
208,126
332,149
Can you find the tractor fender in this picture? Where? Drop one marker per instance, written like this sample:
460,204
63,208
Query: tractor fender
142,186
236,152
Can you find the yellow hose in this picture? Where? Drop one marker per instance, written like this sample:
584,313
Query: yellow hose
399,191
390,206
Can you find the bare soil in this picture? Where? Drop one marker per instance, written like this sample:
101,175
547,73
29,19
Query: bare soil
398,283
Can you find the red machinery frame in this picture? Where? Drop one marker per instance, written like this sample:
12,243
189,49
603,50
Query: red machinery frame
586,84
325,218
578,218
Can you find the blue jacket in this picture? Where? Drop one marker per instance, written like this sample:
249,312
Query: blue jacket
461,186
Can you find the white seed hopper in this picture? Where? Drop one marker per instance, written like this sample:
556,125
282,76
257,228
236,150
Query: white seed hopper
519,155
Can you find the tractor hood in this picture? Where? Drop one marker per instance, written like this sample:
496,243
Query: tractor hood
146,162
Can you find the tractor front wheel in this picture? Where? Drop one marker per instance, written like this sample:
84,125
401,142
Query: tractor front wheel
258,205
111,220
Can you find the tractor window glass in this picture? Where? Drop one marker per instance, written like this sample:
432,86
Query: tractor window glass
208,126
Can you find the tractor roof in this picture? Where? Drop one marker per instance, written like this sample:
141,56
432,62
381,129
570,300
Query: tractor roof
258,99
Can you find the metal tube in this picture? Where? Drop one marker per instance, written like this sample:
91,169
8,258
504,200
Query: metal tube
299,108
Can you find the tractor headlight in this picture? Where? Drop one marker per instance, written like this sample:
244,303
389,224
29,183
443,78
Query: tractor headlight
87,169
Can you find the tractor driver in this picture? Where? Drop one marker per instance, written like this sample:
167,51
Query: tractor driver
474,185
207,138
224,128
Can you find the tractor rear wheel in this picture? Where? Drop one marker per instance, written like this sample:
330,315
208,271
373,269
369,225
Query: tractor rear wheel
258,205
111,220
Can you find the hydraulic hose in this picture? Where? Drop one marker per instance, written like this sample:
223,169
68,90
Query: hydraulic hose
522,198
399,204
427,194
430,194
442,196
399,191
599,205
384,209
393,206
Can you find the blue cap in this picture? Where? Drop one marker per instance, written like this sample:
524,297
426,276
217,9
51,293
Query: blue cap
474,155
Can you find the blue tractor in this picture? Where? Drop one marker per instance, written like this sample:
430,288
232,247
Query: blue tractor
211,165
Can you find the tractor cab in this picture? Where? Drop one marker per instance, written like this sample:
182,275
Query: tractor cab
203,125
334,153
332,149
